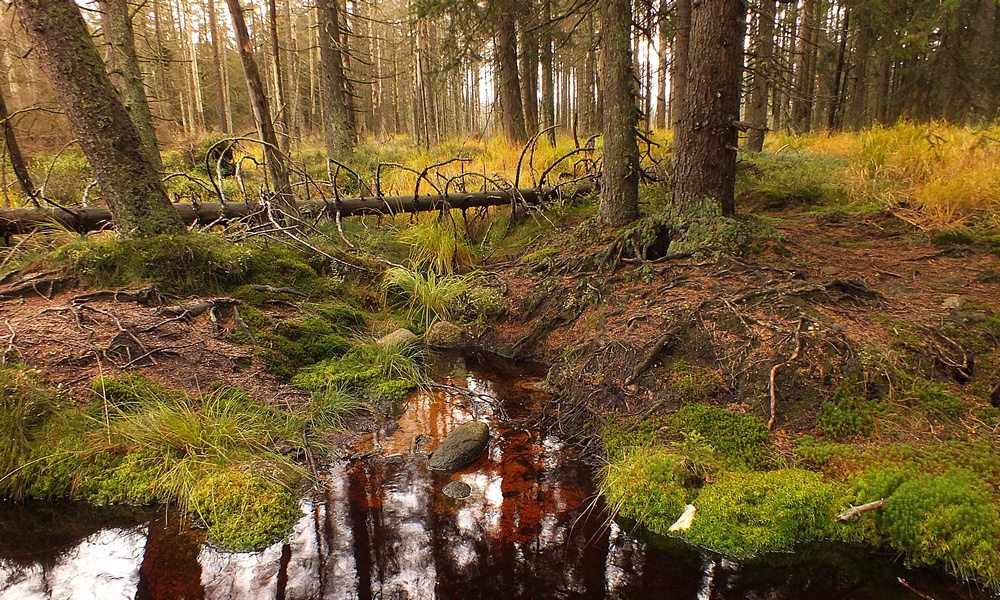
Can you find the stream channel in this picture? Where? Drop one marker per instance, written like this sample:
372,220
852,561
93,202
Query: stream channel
381,528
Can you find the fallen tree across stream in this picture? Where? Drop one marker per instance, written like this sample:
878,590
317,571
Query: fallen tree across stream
82,219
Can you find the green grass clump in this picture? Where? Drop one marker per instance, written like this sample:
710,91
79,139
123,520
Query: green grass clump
243,510
366,371
742,514
779,180
437,245
742,441
700,227
845,416
958,236
622,438
140,442
425,296
936,400
26,404
646,486
949,519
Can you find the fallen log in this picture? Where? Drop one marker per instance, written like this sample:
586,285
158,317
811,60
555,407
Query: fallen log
82,219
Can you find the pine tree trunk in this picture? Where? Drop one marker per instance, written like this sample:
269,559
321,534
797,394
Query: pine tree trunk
548,81
756,114
679,68
123,64
706,145
129,183
620,181
529,66
664,36
262,113
281,93
859,89
14,151
339,141
511,109
220,78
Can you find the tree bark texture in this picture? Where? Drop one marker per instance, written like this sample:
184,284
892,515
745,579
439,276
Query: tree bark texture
280,89
511,109
14,151
16,221
529,67
620,178
262,112
339,138
764,58
706,145
129,183
123,65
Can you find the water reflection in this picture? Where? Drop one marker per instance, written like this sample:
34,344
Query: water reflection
381,528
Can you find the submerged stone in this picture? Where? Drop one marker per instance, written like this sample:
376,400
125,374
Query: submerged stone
460,448
457,489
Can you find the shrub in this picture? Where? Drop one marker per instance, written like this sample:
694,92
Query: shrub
366,371
426,296
437,245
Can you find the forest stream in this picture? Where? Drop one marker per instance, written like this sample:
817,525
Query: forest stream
382,528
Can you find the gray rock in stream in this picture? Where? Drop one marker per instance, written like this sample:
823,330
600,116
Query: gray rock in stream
459,490
462,446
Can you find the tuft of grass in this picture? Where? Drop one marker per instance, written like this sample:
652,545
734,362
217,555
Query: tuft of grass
366,371
437,245
426,296
25,405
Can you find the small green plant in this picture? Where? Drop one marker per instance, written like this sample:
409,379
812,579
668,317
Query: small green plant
936,400
696,458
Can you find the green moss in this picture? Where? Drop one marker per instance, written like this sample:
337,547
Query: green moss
694,383
936,400
26,404
366,371
819,454
958,236
190,264
742,514
646,487
949,519
845,416
317,336
128,392
620,438
742,441
243,510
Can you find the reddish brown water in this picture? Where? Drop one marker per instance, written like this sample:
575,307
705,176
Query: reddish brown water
382,529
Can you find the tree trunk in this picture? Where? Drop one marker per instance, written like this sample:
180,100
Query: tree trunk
280,93
511,109
123,65
764,50
14,151
706,144
529,66
859,89
983,50
262,113
339,140
664,36
620,181
833,120
220,77
130,184
548,82
679,69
